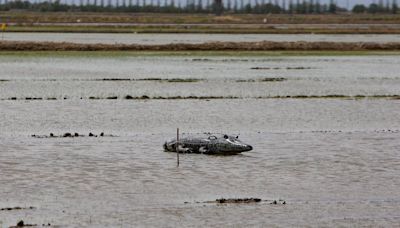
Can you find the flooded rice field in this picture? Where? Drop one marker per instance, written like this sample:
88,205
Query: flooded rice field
152,39
226,77
334,160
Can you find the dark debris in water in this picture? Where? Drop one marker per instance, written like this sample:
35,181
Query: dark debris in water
115,79
21,223
72,135
153,79
184,80
221,60
16,208
263,80
146,97
333,96
170,79
275,202
243,201
33,98
280,68
272,79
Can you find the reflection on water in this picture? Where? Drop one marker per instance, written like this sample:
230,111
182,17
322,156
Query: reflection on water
334,161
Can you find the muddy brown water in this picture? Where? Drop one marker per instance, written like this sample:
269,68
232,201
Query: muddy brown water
335,162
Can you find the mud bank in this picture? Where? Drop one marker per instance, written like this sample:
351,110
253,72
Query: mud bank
210,46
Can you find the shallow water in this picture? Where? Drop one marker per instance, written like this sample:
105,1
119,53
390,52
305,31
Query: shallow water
82,77
112,38
335,162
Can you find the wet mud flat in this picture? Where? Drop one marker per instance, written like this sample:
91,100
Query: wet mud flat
209,46
333,160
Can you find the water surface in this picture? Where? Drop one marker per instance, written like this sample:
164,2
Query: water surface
120,38
334,161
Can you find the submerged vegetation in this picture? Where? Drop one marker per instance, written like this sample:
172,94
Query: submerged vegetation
16,208
146,97
244,201
71,135
262,80
153,79
279,68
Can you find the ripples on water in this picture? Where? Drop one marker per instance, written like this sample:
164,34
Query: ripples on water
334,161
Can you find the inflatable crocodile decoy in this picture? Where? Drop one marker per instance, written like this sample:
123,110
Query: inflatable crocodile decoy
208,144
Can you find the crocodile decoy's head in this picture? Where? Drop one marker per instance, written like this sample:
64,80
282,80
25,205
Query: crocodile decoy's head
233,144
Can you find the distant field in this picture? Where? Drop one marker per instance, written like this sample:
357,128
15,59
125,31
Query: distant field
62,17
201,23
208,28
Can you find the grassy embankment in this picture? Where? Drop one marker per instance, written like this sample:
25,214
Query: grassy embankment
203,54
210,46
199,23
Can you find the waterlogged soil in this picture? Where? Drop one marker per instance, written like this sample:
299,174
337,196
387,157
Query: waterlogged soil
334,162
